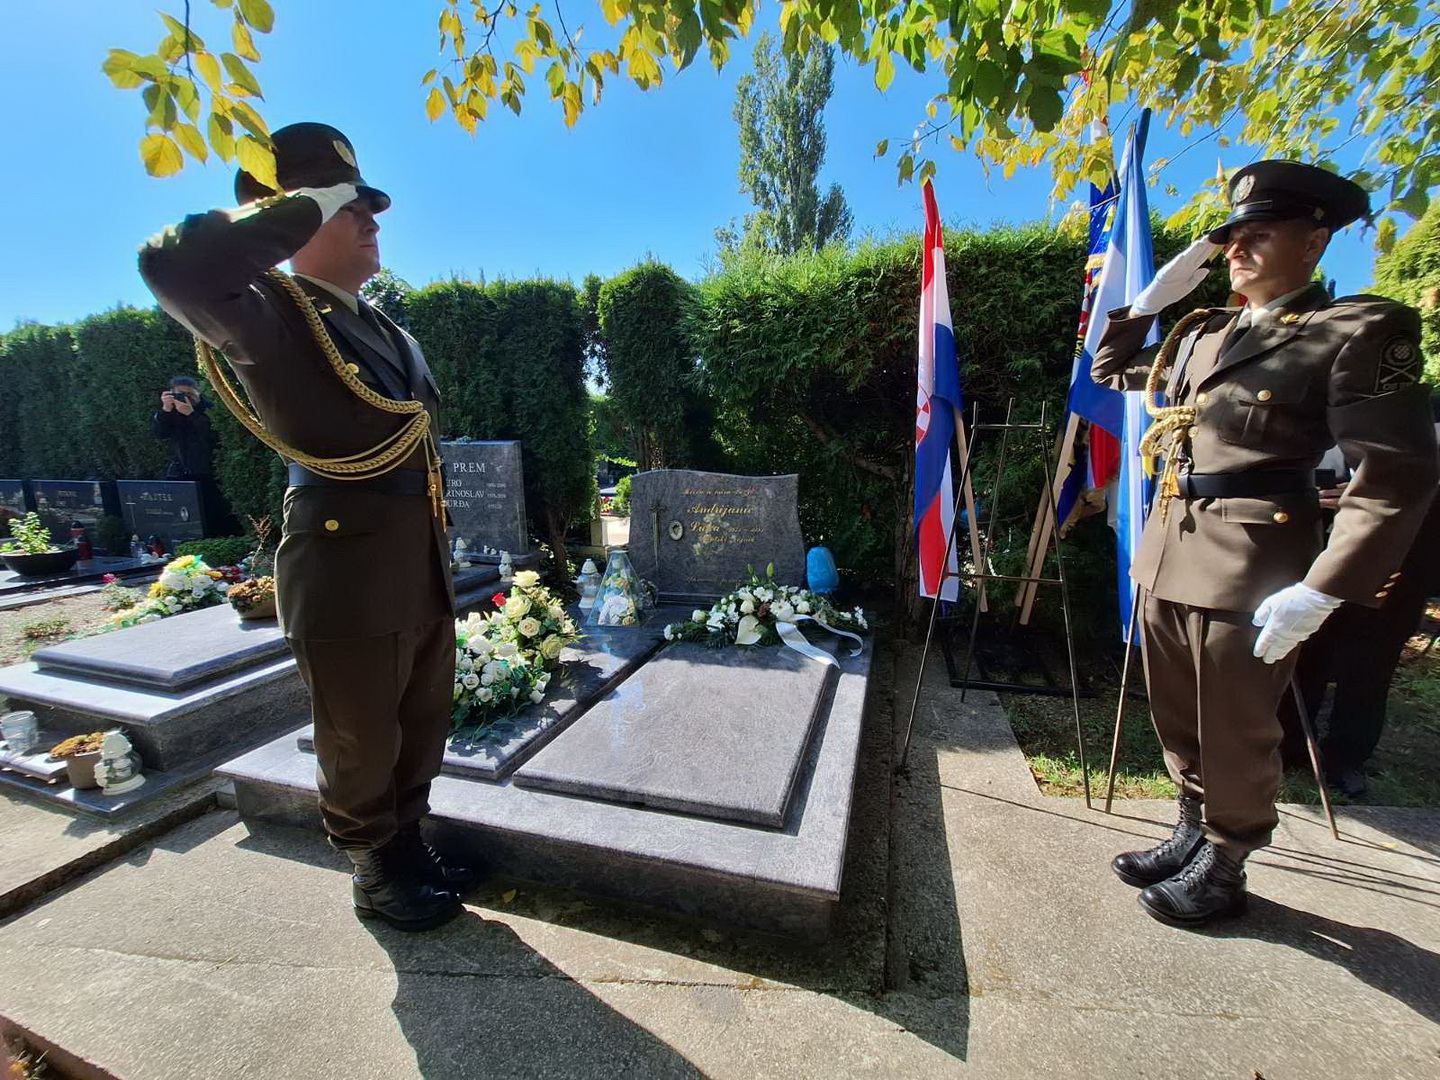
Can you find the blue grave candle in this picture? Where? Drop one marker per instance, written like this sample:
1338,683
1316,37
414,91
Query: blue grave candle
820,571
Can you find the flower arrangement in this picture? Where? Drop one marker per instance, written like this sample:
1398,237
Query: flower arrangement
504,660
186,584
748,616
77,745
253,598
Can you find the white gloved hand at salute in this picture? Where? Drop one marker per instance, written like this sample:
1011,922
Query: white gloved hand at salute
330,199
1289,617
1175,280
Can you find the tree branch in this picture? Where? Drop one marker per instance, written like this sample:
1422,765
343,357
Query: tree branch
828,438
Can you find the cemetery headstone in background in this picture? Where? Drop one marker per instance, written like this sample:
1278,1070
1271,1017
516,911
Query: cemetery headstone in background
485,492
169,509
696,534
85,501
14,501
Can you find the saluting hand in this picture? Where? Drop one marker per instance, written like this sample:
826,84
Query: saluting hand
1176,280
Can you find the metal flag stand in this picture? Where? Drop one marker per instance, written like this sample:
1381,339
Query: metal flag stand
982,575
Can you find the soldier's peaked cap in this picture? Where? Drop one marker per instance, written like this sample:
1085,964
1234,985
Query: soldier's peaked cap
311,155
1290,190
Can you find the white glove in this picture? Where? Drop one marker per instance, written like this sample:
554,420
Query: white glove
1289,617
330,199
1175,280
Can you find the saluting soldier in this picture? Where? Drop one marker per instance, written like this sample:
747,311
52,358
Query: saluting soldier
1232,561
362,572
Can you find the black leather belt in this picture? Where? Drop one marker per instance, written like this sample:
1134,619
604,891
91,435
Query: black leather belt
1246,485
395,482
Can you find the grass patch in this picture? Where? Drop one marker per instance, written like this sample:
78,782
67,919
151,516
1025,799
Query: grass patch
1401,773
44,628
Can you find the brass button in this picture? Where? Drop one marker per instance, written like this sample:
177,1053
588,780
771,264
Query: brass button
331,525
352,368
1280,517
1263,395
1201,398
1194,431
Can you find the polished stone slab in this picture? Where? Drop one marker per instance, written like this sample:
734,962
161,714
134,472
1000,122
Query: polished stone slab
91,570
588,671
719,733
38,764
172,654
784,880
170,509
93,802
698,534
485,494
86,501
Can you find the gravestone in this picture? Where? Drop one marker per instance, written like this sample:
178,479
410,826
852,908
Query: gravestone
696,534
169,509
485,493
719,733
14,502
85,501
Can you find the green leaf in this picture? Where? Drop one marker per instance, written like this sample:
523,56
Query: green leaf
1045,106
160,155
222,137
881,147
191,141
258,14
257,160
120,66
244,43
178,32
240,75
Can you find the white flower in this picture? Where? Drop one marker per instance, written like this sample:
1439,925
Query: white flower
485,694
527,579
493,672
514,691
516,606
459,657
747,607
172,579
550,648
764,595
698,616
467,664
556,612
470,682
536,696
782,611
669,631
744,594
507,650
861,620
529,626
543,683
748,632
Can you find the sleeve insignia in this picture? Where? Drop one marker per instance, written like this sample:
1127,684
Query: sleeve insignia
1400,365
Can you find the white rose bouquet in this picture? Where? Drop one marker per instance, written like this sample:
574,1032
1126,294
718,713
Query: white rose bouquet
186,584
504,660
749,615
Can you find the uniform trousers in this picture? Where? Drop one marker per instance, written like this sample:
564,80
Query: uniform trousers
1214,708
381,707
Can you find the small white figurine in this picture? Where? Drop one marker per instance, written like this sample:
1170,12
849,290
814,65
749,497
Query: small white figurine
462,553
507,569
118,769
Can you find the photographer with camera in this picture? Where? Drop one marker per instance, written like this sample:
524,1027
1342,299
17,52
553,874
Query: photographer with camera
182,422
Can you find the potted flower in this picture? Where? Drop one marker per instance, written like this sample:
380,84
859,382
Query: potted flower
31,554
254,599
80,754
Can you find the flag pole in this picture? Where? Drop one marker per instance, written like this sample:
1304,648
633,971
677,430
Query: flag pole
968,489
1045,521
1124,689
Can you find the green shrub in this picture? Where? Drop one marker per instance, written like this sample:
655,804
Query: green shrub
622,495
111,536
218,551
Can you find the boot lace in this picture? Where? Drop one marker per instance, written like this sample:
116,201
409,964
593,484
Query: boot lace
1198,868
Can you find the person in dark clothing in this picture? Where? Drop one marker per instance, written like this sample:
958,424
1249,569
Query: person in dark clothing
182,422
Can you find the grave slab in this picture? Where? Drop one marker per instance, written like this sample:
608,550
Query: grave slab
697,534
590,670
172,654
86,501
91,570
719,733
169,509
485,494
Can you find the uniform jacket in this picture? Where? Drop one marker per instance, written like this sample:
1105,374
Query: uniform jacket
1314,374
352,562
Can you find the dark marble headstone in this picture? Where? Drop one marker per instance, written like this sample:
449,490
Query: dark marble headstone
696,534
14,502
719,733
86,501
169,509
485,492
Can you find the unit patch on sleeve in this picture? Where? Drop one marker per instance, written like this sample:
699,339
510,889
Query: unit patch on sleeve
1400,365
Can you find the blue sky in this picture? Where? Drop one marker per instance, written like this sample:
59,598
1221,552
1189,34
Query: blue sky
643,174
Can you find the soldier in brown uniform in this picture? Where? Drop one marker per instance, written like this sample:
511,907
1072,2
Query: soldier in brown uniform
362,573
1232,562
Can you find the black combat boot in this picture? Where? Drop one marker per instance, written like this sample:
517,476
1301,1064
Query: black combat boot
425,865
1211,887
1165,860
383,888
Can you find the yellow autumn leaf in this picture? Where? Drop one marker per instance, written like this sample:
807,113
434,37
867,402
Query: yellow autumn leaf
507,896
434,104
189,137
244,43
160,155
258,160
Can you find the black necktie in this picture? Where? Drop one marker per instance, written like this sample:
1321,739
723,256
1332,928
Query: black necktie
1242,327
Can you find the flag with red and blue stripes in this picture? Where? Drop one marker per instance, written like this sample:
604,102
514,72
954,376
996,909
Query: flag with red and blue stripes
937,411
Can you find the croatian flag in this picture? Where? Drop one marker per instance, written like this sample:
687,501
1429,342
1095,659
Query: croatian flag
1129,266
937,411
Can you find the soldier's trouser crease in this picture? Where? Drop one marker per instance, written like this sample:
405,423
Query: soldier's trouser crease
381,707
1214,708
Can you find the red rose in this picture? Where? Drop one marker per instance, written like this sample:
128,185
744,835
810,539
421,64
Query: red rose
498,599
